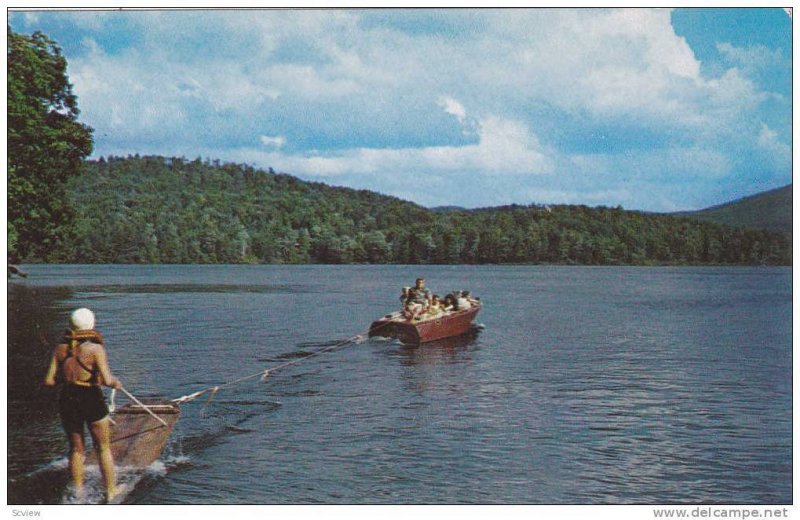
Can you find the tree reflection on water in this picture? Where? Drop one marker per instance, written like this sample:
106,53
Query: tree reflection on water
37,317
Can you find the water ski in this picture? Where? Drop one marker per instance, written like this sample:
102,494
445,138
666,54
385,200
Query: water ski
138,438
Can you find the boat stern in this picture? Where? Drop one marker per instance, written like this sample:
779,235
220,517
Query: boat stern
393,328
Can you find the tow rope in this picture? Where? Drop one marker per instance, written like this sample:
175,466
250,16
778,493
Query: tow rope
264,374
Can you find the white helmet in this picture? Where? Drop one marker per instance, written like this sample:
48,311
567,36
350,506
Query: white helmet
81,319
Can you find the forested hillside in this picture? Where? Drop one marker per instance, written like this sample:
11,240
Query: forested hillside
768,210
170,210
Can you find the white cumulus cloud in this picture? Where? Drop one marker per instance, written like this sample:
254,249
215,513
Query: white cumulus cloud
505,147
452,107
276,141
779,154
382,99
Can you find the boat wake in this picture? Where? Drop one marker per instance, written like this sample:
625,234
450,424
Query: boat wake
319,344
94,491
130,481
55,465
50,483
382,339
312,348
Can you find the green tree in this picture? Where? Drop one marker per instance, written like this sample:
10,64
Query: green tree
46,145
376,249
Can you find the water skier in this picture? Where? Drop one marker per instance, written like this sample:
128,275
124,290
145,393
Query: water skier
82,363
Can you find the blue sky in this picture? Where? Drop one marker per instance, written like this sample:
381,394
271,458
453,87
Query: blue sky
651,109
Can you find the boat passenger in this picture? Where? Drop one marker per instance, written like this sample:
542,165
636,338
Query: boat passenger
435,307
415,310
462,301
420,293
419,299
449,303
404,297
470,298
83,367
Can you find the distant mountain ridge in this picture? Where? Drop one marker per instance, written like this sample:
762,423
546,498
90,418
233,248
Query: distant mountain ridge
771,210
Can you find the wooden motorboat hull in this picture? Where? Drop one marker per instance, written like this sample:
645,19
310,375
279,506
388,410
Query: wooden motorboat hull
424,331
137,438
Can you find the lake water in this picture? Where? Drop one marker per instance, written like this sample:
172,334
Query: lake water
583,386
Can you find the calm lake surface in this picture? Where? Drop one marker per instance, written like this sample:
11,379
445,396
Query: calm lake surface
583,386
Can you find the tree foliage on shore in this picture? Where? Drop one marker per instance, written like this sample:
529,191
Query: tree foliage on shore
173,210
46,146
